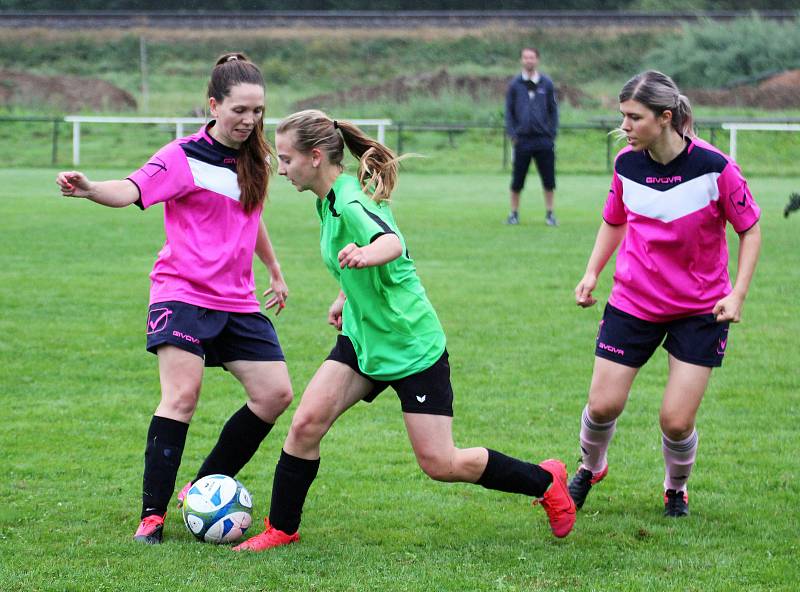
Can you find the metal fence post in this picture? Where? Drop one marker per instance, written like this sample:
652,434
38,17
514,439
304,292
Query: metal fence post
54,157
76,143
400,138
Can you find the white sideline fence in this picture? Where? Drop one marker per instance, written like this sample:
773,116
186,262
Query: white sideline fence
180,122
733,128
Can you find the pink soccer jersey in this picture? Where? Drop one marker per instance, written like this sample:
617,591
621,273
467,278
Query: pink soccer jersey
673,261
207,258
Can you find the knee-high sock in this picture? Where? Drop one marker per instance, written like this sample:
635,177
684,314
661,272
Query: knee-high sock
595,438
505,473
238,441
293,479
678,460
162,457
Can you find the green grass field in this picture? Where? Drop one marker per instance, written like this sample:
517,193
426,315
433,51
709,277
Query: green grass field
77,390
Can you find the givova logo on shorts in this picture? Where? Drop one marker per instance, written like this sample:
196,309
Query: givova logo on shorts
157,320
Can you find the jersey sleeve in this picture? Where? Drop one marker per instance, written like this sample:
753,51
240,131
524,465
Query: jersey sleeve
165,176
614,211
364,225
735,199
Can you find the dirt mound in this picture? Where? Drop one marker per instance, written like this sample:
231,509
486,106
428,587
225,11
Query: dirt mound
781,91
404,88
68,93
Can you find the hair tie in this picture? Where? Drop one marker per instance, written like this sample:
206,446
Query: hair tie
335,124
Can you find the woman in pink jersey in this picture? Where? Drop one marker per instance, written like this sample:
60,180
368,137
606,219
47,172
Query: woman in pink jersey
203,310
671,197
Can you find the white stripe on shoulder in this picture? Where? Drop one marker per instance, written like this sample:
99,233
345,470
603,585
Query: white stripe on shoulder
217,179
674,203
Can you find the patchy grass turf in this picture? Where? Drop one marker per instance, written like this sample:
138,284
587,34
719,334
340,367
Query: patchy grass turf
77,390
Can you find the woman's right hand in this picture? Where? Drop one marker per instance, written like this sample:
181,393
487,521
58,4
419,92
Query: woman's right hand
583,291
73,184
335,312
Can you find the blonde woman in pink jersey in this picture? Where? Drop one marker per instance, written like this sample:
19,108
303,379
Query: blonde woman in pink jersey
203,310
671,197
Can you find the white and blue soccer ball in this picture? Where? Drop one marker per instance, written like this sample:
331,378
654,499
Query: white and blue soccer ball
217,509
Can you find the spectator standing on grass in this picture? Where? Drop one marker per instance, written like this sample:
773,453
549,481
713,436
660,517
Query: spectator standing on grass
203,310
671,197
390,335
532,125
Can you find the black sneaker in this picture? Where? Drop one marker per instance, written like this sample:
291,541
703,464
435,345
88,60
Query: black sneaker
582,482
150,531
676,503
513,219
550,219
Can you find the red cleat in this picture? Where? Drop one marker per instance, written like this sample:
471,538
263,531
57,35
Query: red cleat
556,501
183,493
271,537
151,530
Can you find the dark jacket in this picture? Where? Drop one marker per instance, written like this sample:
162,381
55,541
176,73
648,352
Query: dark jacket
533,120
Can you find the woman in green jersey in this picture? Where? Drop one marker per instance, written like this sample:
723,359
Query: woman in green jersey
390,335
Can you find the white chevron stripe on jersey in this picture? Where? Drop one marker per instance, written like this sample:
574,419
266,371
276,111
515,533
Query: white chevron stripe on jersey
674,203
217,179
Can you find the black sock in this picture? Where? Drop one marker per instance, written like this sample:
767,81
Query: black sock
293,478
504,473
162,457
238,441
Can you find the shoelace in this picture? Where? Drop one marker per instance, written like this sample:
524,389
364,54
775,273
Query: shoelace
151,521
675,500
584,476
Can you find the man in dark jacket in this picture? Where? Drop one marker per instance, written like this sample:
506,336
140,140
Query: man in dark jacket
532,124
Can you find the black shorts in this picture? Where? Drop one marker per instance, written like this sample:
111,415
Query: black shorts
427,392
545,159
215,335
628,340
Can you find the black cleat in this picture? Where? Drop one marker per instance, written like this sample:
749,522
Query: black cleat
676,503
150,531
793,205
582,482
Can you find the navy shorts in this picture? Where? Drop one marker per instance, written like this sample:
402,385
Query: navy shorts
628,340
215,335
545,159
428,391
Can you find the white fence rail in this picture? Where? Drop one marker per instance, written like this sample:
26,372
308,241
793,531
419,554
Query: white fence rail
733,128
180,122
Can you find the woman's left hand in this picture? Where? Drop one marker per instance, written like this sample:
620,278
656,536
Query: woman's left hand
729,308
279,293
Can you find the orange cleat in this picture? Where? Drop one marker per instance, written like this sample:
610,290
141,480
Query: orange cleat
556,500
271,537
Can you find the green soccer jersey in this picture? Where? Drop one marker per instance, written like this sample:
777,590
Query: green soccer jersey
387,315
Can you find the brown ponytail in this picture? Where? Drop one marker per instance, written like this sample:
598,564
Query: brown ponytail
377,164
253,168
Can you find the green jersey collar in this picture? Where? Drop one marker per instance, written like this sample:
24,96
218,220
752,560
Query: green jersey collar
339,187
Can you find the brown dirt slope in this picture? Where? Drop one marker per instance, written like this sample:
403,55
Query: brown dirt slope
781,91
404,88
67,93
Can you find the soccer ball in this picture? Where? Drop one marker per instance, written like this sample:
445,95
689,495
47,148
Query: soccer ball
217,509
